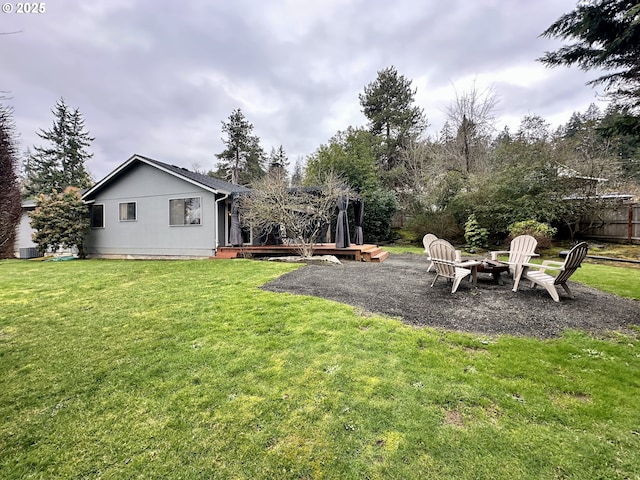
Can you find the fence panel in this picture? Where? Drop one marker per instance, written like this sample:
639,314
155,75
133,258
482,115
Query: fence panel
621,224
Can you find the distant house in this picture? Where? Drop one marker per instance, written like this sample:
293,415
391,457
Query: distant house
146,208
24,246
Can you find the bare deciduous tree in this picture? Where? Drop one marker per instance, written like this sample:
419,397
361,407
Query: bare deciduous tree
303,213
472,116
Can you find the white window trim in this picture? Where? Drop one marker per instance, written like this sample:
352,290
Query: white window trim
103,216
187,224
126,203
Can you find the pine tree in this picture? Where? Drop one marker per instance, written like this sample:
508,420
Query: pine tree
10,199
61,164
388,104
279,163
243,158
297,178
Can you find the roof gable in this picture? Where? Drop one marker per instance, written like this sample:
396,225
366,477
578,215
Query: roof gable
206,182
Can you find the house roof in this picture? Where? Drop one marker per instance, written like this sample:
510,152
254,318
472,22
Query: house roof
204,181
566,172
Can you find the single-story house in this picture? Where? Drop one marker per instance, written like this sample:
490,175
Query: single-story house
150,209
146,208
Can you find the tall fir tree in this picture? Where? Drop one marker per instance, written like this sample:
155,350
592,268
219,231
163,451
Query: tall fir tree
605,36
61,164
10,198
297,177
243,159
279,163
388,104
627,145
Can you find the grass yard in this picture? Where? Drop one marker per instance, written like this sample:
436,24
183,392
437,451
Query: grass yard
186,369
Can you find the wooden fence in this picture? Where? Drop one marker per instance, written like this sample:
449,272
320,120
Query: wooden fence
621,223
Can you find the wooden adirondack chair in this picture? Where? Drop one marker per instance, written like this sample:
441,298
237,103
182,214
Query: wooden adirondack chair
536,273
443,257
521,249
426,241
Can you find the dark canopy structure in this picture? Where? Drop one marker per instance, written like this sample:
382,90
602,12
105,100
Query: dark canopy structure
235,230
358,212
342,225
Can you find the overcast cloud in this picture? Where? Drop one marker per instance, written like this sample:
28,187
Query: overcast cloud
158,77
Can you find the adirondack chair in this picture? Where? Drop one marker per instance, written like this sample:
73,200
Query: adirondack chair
443,257
536,273
521,249
426,241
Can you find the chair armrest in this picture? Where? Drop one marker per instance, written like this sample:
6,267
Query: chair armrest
468,263
542,267
494,255
552,262
519,263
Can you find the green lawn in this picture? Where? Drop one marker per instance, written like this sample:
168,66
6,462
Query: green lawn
186,369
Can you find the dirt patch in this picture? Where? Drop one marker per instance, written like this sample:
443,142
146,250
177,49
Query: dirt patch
454,417
400,287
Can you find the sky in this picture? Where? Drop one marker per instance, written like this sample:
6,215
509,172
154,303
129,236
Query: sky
158,77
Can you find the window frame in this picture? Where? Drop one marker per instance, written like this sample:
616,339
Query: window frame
135,216
91,217
201,222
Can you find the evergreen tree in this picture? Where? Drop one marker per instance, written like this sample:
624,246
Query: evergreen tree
607,37
243,159
279,163
61,164
10,198
626,145
297,178
388,104
349,154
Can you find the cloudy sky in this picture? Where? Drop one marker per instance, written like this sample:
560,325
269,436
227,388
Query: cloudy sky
157,77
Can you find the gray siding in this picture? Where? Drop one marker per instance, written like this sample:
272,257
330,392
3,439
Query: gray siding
23,236
150,234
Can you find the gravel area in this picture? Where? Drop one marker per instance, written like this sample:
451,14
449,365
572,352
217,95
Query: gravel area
400,287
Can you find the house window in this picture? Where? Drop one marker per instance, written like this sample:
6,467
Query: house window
128,212
185,211
97,216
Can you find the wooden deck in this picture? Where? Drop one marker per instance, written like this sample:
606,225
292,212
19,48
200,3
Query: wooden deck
359,253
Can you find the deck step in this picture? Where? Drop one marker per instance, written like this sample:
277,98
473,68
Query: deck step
222,254
379,258
376,255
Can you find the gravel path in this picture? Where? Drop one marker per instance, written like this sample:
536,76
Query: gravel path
400,287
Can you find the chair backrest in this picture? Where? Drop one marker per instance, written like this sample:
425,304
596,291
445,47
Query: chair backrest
572,262
522,249
426,241
443,256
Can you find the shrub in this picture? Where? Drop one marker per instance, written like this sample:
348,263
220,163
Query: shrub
379,207
441,224
475,235
60,220
542,232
